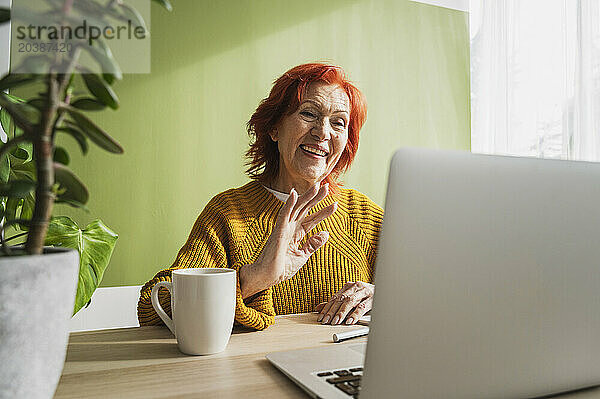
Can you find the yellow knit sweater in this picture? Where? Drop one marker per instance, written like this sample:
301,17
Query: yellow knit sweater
232,230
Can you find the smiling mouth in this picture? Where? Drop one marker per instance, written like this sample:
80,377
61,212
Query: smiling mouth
313,151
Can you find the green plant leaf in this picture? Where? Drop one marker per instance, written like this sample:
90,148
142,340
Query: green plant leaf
16,188
95,245
74,132
105,50
20,208
38,103
109,78
165,4
27,207
94,133
75,189
8,126
23,114
21,169
92,12
101,90
87,8
6,122
105,58
73,204
133,14
13,80
23,152
95,13
61,156
12,204
4,15
88,104
4,170
14,98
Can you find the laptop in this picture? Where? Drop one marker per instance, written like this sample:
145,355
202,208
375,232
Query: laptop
487,284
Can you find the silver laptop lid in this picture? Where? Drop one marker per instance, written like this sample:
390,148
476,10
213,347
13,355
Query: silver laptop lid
487,278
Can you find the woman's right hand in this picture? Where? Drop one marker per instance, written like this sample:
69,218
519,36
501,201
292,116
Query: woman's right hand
282,256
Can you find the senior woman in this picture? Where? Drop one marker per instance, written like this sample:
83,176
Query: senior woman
298,241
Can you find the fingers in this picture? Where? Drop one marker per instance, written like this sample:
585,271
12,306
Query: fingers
314,196
303,200
347,301
297,207
315,242
360,310
330,309
350,304
326,312
319,307
325,309
289,205
311,221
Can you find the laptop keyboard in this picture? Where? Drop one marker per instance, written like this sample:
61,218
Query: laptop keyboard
346,380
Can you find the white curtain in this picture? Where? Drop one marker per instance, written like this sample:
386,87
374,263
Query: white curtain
535,78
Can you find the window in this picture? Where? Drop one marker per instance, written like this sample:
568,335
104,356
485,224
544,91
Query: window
535,78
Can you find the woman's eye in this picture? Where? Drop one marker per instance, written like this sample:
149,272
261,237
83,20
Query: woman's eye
340,123
308,114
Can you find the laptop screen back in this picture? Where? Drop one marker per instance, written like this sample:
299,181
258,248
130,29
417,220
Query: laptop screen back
487,278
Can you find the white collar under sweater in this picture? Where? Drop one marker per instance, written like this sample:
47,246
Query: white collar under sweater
278,194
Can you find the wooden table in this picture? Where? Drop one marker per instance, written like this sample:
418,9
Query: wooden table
144,362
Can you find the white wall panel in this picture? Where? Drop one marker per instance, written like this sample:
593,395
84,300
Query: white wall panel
111,307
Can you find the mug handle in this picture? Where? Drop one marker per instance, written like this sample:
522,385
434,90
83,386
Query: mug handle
156,304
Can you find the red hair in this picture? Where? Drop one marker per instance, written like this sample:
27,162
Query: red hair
284,99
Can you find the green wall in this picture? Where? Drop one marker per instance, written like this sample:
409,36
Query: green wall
183,126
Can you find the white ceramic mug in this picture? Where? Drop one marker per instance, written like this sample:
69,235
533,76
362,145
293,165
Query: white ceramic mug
203,308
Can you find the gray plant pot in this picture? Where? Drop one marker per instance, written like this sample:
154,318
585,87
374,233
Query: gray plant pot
37,294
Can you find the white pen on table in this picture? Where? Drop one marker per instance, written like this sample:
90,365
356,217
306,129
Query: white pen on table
343,336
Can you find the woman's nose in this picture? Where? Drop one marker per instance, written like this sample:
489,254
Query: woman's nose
321,130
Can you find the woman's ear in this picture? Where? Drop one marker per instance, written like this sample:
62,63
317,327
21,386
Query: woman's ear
274,134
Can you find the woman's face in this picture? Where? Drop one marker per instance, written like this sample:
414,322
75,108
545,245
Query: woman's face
312,139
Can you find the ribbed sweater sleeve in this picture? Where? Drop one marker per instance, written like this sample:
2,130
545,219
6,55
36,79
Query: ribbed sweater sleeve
208,245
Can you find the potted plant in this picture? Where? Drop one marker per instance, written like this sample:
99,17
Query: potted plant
37,282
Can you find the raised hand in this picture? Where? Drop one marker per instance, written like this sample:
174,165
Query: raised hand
282,256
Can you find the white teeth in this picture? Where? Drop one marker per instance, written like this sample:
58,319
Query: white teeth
313,150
